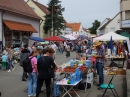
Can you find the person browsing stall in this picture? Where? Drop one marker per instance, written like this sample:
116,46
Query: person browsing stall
39,51
32,77
44,63
100,58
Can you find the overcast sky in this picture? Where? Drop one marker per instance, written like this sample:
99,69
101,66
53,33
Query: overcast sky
86,11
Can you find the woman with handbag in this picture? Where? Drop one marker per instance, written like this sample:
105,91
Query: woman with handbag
45,68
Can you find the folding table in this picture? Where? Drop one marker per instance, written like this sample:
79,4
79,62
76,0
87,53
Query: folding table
64,85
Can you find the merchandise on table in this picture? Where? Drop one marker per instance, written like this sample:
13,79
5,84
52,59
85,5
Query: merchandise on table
121,72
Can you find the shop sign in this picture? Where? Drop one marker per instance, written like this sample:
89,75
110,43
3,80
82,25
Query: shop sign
125,24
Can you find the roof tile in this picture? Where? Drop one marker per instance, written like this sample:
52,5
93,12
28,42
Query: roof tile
74,26
18,6
42,7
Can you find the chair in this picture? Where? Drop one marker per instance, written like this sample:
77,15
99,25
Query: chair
109,86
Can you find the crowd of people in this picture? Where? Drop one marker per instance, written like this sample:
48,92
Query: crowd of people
43,57
6,60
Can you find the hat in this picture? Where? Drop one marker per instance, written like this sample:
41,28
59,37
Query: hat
97,43
39,48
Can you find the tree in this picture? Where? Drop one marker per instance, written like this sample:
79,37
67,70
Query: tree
95,26
55,9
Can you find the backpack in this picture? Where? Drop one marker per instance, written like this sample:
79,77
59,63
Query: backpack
27,65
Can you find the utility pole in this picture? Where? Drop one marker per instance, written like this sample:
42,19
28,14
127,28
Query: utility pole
52,22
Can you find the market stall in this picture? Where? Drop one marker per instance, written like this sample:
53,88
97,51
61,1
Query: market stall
70,37
117,59
54,38
115,37
74,71
63,37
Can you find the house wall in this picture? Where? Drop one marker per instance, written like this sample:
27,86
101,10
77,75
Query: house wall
125,5
99,32
88,34
114,25
23,19
41,14
67,30
75,33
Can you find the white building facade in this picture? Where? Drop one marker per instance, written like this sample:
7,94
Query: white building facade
125,15
109,25
66,30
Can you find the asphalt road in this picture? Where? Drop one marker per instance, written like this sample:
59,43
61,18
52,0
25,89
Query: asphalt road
12,86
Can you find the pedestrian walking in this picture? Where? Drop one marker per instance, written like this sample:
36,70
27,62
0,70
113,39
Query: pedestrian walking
68,51
61,46
10,57
23,55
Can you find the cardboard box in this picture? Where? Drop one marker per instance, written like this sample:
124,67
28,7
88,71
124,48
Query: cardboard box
121,72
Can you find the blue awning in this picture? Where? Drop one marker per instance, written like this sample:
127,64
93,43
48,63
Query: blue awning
37,39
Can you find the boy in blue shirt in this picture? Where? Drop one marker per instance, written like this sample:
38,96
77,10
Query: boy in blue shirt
4,61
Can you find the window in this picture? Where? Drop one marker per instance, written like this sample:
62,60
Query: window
33,8
118,21
113,29
127,15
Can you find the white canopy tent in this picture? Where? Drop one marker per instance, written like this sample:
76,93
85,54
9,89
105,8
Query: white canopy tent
106,37
70,37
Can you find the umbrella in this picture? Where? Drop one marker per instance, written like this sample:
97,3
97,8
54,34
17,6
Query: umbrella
63,38
70,37
111,44
37,39
54,38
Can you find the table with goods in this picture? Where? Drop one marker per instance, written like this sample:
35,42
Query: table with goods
116,66
74,72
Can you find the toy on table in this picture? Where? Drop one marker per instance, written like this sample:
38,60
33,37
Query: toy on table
121,55
72,62
72,78
68,82
78,74
83,68
87,63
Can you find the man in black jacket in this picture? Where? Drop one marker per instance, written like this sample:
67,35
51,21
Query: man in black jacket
24,54
44,63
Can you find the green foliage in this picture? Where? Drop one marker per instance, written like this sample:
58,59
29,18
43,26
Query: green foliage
95,26
55,9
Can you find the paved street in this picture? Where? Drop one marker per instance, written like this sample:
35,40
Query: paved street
12,86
